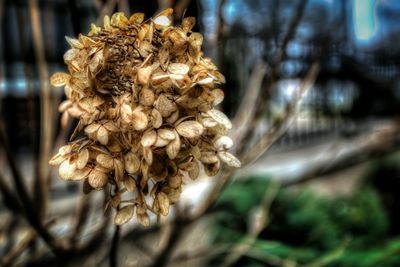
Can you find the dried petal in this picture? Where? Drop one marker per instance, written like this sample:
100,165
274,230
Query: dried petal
124,215
92,128
136,18
190,129
163,203
218,95
178,68
220,117
66,169
102,135
130,184
59,79
97,179
223,143
83,158
156,118
148,155
188,23
146,97
144,219
162,22
209,157
139,120
149,138
229,159
174,146
165,106
166,134
132,163
105,161
80,174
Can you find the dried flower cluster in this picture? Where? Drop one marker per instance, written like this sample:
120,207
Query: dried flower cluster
145,97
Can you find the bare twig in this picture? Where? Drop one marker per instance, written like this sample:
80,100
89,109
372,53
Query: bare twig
29,208
180,8
263,144
123,6
256,116
46,131
178,229
258,222
281,126
12,255
81,217
248,104
9,199
204,253
114,247
373,144
107,9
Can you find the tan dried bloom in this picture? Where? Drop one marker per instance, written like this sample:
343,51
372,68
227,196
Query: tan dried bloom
145,98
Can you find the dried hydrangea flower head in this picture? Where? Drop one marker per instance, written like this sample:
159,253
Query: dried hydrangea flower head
144,96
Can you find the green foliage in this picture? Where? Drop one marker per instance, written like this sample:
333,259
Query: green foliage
308,229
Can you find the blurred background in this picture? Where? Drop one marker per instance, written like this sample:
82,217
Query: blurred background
313,89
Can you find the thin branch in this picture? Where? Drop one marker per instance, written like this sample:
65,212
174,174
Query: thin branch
9,199
123,6
10,258
178,228
256,116
107,9
204,253
358,150
81,217
30,210
280,126
46,114
263,144
114,247
248,104
258,222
